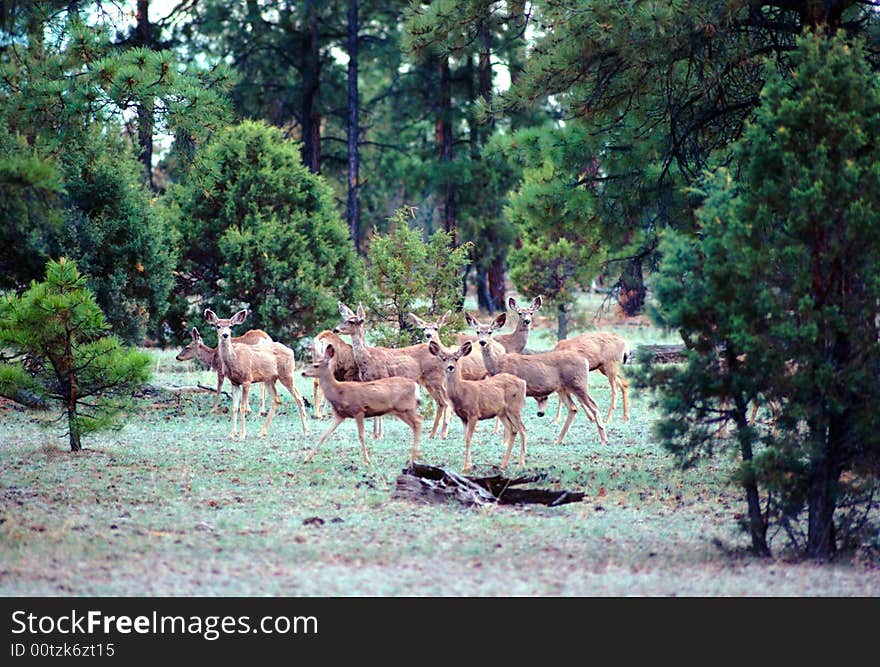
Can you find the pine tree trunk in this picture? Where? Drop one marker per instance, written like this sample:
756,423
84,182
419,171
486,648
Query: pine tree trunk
757,523
353,209
309,116
821,500
443,143
562,320
632,293
145,110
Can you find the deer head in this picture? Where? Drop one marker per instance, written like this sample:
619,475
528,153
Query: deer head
484,331
189,352
430,329
351,321
449,358
525,313
224,326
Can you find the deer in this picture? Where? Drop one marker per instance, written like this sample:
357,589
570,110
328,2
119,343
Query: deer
197,349
502,396
471,366
516,341
398,396
562,371
346,368
413,362
246,364
604,350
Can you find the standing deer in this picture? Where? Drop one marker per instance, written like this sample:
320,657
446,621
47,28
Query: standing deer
413,362
397,396
605,351
562,371
502,396
517,341
196,349
245,364
346,368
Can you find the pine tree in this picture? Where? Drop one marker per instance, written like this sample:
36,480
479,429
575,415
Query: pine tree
777,301
260,230
56,345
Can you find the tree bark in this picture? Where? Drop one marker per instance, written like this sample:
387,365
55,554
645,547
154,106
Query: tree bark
311,82
353,209
443,144
562,312
145,110
632,293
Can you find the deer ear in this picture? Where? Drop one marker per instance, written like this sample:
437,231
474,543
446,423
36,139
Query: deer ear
537,303
196,336
210,316
465,349
511,303
470,319
434,348
499,321
240,316
443,319
329,351
345,311
416,320
361,313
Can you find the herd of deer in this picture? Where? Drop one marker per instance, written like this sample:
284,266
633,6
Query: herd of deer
362,381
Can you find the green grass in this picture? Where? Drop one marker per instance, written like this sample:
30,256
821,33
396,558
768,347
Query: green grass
170,506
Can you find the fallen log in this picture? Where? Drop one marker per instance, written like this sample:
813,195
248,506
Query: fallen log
661,354
431,484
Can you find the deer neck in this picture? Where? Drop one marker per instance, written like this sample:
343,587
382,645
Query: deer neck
226,354
208,355
491,357
359,351
520,336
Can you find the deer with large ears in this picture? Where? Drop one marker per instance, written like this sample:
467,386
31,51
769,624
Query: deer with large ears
413,362
246,364
562,371
517,341
502,396
395,395
196,349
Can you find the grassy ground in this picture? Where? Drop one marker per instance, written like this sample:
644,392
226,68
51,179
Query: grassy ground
170,506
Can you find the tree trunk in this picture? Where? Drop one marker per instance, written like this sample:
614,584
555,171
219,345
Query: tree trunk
145,110
311,78
443,143
757,522
631,295
562,320
353,209
821,501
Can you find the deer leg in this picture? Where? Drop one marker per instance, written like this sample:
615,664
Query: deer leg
359,418
236,400
624,393
497,426
216,407
263,399
521,429
377,428
592,411
558,410
270,385
414,419
288,383
572,411
507,441
468,434
612,382
337,420
317,399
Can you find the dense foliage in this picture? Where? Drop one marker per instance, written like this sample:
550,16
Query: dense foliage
776,299
259,230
